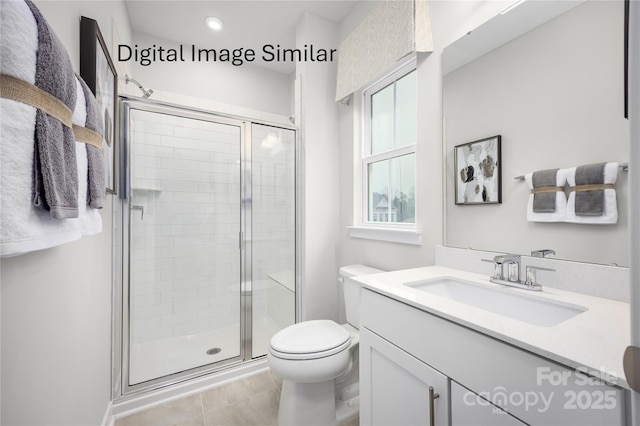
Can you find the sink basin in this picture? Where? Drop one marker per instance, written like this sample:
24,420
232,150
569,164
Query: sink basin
506,302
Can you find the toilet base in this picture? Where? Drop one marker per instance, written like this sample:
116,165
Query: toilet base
307,404
348,403
311,404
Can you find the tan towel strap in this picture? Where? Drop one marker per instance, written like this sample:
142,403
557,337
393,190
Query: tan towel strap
547,189
593,187
20,91
88,136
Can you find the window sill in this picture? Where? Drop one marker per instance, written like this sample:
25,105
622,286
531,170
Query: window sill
403,236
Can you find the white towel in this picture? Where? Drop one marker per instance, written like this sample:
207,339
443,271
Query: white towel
610,215
561,201
23,227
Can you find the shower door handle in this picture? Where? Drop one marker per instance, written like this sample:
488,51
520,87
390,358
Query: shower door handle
141,208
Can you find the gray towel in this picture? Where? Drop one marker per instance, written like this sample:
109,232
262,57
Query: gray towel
96,184
55,169
590,203
544,202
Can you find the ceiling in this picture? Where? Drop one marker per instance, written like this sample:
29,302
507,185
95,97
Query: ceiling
247,23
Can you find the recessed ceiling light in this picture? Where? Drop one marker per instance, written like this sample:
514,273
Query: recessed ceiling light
214,23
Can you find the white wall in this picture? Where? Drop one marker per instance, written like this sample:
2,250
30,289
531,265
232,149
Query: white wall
319,137
247,86
56,304
555,96
450,20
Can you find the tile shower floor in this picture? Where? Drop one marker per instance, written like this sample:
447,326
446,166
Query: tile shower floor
252,401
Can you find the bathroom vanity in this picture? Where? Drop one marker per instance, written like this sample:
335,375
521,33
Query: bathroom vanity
429,356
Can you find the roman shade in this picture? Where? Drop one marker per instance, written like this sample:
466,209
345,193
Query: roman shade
395,29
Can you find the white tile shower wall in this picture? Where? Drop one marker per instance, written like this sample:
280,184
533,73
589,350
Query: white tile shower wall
185,273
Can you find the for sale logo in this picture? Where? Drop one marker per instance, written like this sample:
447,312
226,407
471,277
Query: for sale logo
587,392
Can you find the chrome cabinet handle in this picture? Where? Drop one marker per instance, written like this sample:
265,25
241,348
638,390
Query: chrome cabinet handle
432,397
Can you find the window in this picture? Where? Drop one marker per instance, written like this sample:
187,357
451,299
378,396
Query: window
389,151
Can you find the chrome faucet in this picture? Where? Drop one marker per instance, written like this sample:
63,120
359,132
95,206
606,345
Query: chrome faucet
512,262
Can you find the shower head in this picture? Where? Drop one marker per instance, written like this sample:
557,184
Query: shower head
145,93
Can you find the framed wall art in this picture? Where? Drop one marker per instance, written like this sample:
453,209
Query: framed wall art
478,173
98,71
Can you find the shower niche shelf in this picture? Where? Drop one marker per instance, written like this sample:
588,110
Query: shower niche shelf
143,190
286,279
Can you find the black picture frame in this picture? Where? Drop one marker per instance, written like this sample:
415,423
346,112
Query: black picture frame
99,72
478,171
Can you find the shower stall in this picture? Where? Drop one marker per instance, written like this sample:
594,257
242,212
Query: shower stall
208,242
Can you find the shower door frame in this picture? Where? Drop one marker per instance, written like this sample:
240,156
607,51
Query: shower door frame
121,389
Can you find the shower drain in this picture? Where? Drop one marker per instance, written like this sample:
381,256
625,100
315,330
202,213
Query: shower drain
214,351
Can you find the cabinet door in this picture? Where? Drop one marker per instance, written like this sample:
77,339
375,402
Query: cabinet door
395,386
468,409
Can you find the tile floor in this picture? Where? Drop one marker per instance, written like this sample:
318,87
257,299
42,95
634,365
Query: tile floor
252,401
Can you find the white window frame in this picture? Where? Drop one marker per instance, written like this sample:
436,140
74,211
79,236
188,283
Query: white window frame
364,228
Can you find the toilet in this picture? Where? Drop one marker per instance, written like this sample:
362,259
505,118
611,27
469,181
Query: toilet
318,363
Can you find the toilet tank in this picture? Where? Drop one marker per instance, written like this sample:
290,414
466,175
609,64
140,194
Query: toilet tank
351,290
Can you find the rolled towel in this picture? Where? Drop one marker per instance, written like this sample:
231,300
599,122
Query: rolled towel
23,227
553,207
590,202
598,205
55,167
544,190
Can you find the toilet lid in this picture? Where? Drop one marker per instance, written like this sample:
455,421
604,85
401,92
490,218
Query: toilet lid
310,337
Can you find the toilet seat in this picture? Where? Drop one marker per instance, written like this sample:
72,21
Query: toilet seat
310,340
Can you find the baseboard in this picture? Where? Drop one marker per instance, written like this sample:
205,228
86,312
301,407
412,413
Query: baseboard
108,419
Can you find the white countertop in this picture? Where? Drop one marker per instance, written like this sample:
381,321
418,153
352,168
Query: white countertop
594,339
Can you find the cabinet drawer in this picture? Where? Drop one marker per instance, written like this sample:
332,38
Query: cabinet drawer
533,389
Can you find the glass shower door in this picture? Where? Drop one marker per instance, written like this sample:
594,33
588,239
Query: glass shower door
273,225
184,257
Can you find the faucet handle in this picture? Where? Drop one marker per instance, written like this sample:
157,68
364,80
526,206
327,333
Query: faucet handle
540,268
513,274
497,266
531,275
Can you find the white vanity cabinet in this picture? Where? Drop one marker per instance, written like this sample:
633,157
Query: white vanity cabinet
404,351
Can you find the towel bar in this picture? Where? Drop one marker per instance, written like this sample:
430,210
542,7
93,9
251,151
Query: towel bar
623,166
